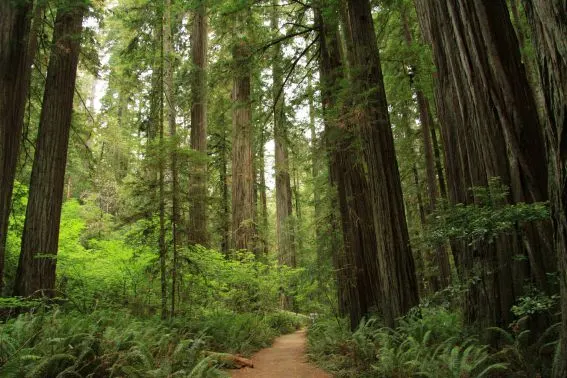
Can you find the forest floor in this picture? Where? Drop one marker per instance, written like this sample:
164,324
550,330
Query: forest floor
285,358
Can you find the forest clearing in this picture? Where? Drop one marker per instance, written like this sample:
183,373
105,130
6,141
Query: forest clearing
283,188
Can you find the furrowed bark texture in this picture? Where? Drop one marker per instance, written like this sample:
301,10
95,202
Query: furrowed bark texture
397,271
242,169
490,128
548,20
440,278
15,72
357,268
198,186
37,263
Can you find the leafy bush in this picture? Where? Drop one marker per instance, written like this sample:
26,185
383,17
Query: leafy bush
483,220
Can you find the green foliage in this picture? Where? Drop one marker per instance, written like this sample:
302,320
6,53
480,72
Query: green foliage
432,343
115,343
483,220
534,302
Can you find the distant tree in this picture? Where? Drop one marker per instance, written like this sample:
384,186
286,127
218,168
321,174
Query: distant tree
243,229
284,209
198,181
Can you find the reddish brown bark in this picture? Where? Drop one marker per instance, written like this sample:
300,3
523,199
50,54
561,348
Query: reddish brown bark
36,268
242,169
397,271
549,30
198,186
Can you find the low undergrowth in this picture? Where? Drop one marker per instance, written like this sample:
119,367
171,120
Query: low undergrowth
432,344
110,343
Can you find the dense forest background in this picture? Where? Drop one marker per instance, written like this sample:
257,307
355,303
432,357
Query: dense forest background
184,180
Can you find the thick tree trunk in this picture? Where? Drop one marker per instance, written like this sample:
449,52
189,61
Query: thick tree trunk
490,129
284,217
549,29
357,268
242,169
397,271
15,72
440,261
40,239
198,186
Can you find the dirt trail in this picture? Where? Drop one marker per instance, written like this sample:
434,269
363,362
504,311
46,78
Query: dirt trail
286,358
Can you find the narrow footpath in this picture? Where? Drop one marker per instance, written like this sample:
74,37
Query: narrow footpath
286,358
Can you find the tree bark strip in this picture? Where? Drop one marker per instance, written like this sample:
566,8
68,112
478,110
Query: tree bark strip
548,23
198,186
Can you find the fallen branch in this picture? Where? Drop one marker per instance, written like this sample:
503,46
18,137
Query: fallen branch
231,361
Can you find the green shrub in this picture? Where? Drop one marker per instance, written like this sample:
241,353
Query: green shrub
431,343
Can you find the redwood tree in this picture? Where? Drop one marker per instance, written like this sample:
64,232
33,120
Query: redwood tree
490,129
198,186
397,272
242,161
284,220
15,72
357,268
40,239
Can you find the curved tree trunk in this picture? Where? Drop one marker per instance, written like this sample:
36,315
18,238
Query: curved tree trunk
36,267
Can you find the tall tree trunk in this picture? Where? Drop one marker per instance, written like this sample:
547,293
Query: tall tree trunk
15,71
357,268
549,29
225,206
284,210
441,278
262,189
169,56
315,163
40,239
397,271
493,131
242,162
198,187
